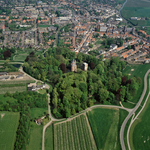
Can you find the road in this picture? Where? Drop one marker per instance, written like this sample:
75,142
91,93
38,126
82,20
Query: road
122,8
133,119
132,112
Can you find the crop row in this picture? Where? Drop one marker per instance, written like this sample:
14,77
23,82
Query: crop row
74,135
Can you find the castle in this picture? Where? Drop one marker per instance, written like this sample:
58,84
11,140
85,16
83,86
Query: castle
73,65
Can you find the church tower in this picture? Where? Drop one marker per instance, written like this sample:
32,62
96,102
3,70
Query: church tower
73,65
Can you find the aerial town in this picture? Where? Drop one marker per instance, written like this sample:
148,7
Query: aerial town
45,24
74,74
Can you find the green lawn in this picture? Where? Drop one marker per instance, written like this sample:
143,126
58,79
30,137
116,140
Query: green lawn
38,112
35,140
42,91
5,99
39,83
140,130
140,71
105,124
49,138
8,128
20,57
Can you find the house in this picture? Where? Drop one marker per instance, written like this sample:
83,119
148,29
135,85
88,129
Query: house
38,121
4,77
34,87
19,76
113,47
52,28
3,73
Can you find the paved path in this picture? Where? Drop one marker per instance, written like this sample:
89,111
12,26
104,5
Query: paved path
132,112
133,119
121,10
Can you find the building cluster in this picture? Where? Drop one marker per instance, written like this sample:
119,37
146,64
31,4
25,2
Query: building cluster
10,76
72,24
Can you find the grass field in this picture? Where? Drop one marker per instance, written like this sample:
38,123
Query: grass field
20,57
137,8
74,134
8,128
140,71
35,140
140,130
49,138
105,124
138,3
38,112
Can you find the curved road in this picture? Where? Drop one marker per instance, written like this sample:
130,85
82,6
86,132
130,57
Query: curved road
132,112
132,121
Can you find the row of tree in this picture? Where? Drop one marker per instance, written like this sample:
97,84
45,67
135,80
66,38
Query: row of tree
23,104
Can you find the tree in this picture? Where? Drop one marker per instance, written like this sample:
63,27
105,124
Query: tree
63,67
79,57
92,65
103,94
90,45
129,47
73,112
27,59
83,87
7,54
55,97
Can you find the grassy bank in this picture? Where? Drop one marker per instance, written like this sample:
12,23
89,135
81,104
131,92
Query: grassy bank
105,125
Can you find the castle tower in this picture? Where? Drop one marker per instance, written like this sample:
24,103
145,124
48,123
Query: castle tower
73,65
85,66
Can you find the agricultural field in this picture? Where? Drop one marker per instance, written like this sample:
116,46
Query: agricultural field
35,140
13,86
140,130
74,134
137,8
49,138
8,126
16,82
138,70
105,124
3,90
